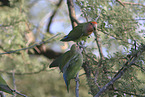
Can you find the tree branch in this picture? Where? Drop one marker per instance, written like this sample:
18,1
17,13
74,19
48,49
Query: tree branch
14,82
5,3
129,93
19,93
129,3
47,52
77,85
72,15
120,3
53,14
139,67
113,36
130,62
37,44
99,47
26,73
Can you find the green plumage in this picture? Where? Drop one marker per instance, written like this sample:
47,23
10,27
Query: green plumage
80,32
74,34
4,87
69,63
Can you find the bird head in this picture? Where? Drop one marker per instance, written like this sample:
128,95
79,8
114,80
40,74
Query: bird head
94,24
75,48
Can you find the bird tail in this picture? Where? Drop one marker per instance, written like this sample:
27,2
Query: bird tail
65,38
66,81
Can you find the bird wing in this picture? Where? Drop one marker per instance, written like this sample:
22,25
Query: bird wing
76,32
58,61
71,68
4,87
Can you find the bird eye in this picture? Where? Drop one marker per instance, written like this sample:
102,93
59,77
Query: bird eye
91,23
93,26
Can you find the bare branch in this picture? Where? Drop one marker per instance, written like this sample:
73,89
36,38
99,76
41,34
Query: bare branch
14,84
139,67
120,3
130,62
37,44
99,46
26,73
72,15
129,3
53,14
77,85
129,93
19,93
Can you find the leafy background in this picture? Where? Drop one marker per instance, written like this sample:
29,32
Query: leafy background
120,29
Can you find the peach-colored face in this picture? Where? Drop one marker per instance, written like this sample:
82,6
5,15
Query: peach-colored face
94,24
91,27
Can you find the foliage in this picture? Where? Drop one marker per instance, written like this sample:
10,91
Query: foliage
120,35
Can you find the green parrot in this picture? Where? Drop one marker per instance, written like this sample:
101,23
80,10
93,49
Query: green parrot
4,87
80,32
58,62
69,64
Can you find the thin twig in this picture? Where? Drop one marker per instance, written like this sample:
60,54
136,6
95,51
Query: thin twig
26,73
77,85
112,80
19,93
37,44
130,62
130,3
114,36
72,15
14,84
120,3
53,14
139,67
99,47
129,93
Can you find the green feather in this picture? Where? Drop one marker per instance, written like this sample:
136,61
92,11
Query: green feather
73,66
4,87
69,63
75,34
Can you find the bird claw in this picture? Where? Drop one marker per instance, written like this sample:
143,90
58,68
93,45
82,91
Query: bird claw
82,46
77,79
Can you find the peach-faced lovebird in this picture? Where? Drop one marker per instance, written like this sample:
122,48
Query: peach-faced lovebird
69,63
80,32
4,87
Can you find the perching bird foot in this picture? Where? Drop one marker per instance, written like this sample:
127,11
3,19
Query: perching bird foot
77,79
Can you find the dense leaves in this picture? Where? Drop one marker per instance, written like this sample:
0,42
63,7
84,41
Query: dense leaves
120,34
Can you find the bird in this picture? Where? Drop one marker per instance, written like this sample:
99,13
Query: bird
69,64
4,87
80,32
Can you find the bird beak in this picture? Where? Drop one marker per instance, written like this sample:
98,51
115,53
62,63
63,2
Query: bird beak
95,27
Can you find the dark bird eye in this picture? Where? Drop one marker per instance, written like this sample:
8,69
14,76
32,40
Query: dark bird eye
91,23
